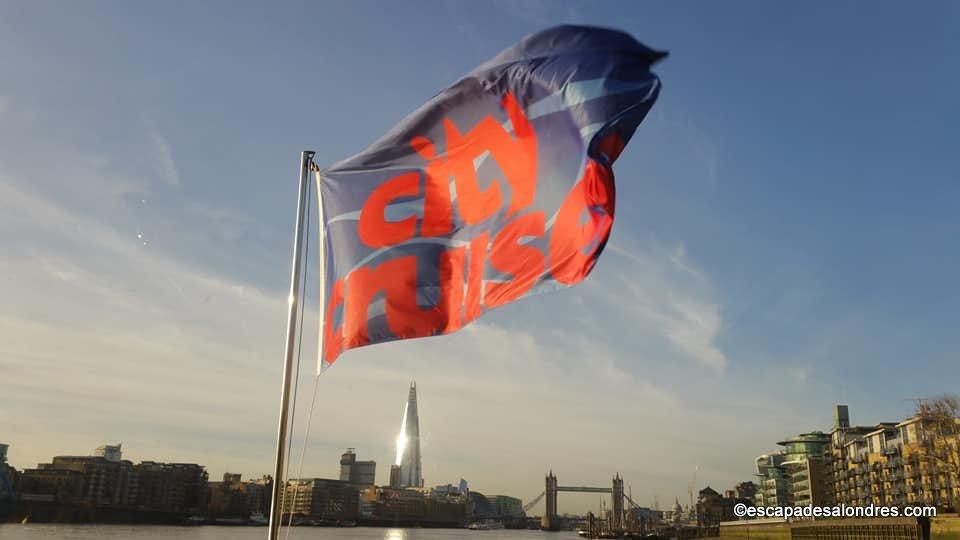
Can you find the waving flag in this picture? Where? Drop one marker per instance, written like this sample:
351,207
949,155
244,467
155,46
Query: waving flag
499,187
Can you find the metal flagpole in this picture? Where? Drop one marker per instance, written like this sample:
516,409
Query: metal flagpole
279,483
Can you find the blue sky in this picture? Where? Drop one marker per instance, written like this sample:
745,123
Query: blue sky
785,237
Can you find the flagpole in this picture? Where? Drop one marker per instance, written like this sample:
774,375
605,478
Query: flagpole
279,483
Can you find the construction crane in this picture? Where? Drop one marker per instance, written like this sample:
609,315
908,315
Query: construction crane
690,487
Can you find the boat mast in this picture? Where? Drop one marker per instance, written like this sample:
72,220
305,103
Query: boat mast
279,483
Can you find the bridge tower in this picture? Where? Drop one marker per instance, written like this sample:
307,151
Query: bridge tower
549,520
616,494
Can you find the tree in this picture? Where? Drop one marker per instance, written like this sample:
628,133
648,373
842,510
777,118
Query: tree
939,445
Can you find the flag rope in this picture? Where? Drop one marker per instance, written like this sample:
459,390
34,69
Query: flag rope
322,257
303,448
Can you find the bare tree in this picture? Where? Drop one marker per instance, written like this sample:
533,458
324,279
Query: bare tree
939,443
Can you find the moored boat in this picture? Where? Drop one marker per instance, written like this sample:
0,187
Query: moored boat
486,525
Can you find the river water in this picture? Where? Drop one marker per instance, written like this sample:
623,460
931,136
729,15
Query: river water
151,532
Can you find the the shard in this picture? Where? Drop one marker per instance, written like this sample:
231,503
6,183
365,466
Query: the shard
408,443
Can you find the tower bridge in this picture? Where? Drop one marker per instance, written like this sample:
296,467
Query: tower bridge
550,521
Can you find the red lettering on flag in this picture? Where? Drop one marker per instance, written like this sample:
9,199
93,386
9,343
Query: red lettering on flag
478,253
333,336
396,280
593,194
374,229
437,208
524,263
516,156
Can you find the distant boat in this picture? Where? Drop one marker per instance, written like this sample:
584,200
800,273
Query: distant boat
584,533
257,519
486,525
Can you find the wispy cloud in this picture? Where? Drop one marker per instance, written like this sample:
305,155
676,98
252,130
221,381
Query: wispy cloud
667,303
162,157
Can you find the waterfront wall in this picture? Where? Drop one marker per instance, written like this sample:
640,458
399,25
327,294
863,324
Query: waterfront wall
834,529
858,528
759,529
945,527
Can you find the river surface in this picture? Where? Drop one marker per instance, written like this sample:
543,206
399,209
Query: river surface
151,532
156,532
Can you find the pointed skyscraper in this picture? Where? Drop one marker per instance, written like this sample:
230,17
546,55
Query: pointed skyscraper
408,443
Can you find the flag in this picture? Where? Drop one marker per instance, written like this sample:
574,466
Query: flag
499,187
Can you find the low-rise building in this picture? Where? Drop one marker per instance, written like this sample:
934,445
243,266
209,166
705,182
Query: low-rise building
105,482
746,491
321,498
232,497
83,479
172,487
505,506
227,497
712,508
9,478
445,511
400,505
51,485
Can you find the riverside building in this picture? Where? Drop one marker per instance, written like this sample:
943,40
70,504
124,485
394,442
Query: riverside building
894,463
907,463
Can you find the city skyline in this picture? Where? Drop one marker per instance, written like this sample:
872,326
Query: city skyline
814,437
783,240
899,464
